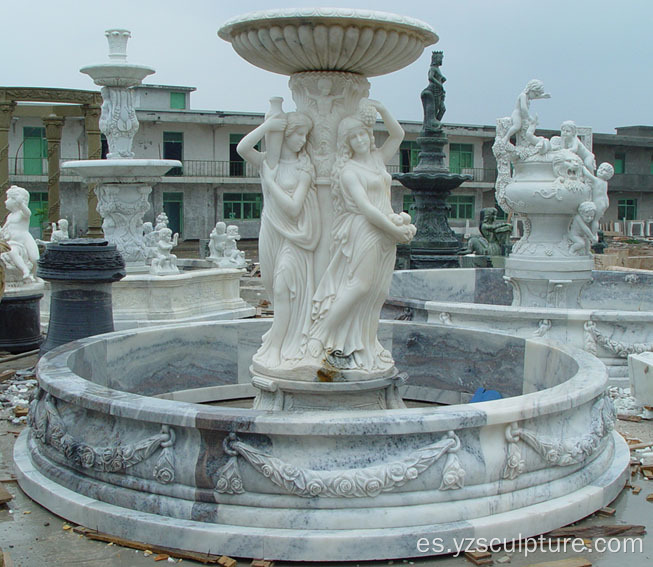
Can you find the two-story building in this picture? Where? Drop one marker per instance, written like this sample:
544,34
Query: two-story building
215,184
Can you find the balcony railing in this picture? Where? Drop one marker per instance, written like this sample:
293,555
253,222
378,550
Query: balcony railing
210,168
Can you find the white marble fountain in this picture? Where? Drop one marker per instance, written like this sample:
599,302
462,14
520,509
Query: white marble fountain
123,185
130,432
555,187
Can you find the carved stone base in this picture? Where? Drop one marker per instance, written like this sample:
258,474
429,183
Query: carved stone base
548,282
276,394
20,330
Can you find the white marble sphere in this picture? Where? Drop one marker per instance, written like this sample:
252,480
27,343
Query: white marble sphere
293,40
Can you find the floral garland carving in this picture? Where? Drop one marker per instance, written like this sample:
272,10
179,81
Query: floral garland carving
622,350
559,453
48,428
348,483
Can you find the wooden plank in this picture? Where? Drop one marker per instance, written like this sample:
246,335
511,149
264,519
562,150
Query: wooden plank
205,558
598,531
479,557
626,417
606,511
572,562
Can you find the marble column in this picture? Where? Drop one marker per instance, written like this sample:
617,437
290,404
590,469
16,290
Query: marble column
6,112
94,142
53,128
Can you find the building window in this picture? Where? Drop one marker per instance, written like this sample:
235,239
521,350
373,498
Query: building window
461,156
242,206
651,165
462,206
627,209
35,150
619,163
38,205
173,206
178,101
408,156
173,148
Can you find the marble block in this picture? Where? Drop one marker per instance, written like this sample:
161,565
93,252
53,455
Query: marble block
640,370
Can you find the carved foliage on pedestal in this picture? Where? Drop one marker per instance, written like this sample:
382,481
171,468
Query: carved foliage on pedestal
122,207
327,97
570,451
118,121
341,483
49,429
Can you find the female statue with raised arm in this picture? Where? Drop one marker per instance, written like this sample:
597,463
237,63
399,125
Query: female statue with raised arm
290,231
349,297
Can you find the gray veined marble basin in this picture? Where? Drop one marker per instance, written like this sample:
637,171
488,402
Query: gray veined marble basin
614,316
119,440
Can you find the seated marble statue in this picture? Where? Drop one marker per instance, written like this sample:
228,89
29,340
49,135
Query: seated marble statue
164,261
348,299
568,140
232,257
580,233
23,253
217,240
59,231
521,117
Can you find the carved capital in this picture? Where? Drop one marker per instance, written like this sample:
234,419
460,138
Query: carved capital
6,112
53,127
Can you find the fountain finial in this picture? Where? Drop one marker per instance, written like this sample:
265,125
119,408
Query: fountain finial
118,39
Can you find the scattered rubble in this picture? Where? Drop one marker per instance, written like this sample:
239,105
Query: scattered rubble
16,389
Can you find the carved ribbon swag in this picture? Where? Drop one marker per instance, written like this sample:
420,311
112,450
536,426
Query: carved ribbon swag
344,483
48,428
555,452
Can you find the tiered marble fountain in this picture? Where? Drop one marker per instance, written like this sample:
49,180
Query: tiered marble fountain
123,185
555,187
330,464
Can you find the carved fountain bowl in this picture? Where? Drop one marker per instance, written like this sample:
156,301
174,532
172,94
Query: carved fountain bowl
137,433
535,188
290,41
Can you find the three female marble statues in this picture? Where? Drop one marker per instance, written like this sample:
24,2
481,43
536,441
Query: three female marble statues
331,317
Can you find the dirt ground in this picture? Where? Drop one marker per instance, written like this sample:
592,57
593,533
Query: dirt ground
31,536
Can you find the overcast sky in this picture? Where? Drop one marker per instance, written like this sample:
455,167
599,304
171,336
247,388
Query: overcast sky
594,56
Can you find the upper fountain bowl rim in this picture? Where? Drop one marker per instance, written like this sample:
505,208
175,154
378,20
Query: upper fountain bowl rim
328,14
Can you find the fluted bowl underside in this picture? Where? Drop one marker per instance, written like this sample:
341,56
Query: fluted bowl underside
290,41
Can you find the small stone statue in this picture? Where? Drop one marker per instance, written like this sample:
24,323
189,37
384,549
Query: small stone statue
233,258
580,233
217,240
161,221
599,185
164,261
495,236
61,232
433,95
568,140
521,117
23,253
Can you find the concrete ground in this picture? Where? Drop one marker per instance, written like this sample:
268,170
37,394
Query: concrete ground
33,537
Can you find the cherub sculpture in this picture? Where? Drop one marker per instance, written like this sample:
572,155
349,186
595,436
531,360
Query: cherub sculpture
580,233
521,117
61,232
23,252
164,261
217,241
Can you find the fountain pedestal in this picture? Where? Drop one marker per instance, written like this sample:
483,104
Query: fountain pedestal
435,245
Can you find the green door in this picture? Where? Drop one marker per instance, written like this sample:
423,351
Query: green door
173,206
38,205
35,150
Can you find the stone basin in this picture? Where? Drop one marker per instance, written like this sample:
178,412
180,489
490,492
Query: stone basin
147,435
614,317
